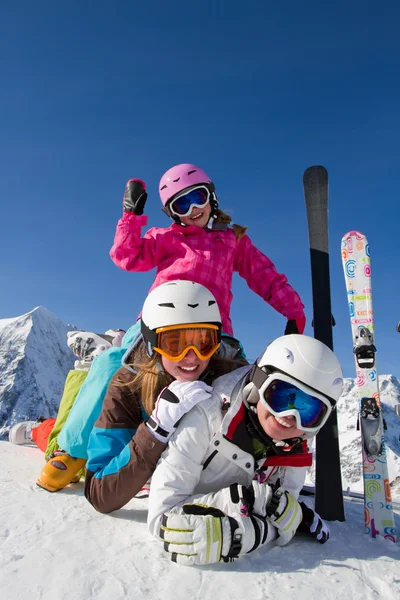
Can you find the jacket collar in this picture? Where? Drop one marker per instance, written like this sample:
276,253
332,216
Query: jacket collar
192,230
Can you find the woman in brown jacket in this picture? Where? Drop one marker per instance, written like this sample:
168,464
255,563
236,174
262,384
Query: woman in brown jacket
181,330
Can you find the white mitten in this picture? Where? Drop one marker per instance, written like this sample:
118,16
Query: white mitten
173,402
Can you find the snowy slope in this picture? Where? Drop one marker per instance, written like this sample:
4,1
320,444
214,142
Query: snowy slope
57,547
34,361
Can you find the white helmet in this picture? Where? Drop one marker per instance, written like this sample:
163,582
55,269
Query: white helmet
307,360
177,303
304,362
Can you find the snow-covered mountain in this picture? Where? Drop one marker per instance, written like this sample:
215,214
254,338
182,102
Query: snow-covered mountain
34,362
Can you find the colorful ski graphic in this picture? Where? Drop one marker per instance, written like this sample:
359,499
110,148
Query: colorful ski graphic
378,511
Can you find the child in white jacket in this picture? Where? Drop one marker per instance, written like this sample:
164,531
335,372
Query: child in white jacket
229,480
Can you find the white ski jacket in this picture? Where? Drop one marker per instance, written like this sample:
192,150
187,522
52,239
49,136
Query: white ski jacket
208,453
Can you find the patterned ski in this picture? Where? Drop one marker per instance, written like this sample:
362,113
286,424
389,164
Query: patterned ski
378,511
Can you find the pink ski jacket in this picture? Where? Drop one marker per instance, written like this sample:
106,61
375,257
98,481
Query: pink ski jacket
209,257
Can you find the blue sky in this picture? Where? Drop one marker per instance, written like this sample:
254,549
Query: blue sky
93,93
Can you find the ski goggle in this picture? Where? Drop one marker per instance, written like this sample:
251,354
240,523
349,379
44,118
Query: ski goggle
182,205
175,342
284,396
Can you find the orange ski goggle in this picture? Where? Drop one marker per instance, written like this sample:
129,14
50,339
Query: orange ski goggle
175,342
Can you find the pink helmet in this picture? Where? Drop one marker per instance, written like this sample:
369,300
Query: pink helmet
179,178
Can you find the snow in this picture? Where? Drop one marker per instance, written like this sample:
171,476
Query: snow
56,546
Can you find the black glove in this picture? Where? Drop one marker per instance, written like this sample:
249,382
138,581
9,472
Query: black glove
295,325
313,524
135,197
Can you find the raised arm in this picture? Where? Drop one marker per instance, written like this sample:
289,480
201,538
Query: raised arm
130,251
262,278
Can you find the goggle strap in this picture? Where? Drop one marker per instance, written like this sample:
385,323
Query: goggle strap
258,376
150,338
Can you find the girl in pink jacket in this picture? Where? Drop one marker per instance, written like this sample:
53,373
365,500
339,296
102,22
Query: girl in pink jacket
200,245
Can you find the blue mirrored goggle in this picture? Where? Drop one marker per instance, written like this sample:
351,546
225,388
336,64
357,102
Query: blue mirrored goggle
182,206
310,412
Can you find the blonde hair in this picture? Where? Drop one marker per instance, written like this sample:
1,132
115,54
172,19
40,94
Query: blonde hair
223,217
150,379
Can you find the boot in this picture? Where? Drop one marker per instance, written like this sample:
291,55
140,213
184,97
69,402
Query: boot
59,471
21,433
145,491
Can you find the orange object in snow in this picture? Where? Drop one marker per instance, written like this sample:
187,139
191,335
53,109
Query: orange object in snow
40,433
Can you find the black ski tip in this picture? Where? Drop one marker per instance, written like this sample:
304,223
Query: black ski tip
317,172
315,169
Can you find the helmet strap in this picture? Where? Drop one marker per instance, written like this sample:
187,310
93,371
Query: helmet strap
210,222
149,338
159,366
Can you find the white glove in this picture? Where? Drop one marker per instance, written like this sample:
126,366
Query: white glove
313,524
286,516
173,402
278,507
85,344
202,536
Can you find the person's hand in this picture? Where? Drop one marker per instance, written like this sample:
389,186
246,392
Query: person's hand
313,524
172,403
284,512
202,536
295,325
276,506
135,197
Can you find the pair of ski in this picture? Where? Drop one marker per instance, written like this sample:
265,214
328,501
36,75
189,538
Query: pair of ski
378,511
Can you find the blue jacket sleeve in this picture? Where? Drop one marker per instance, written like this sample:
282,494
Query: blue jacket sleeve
122,453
